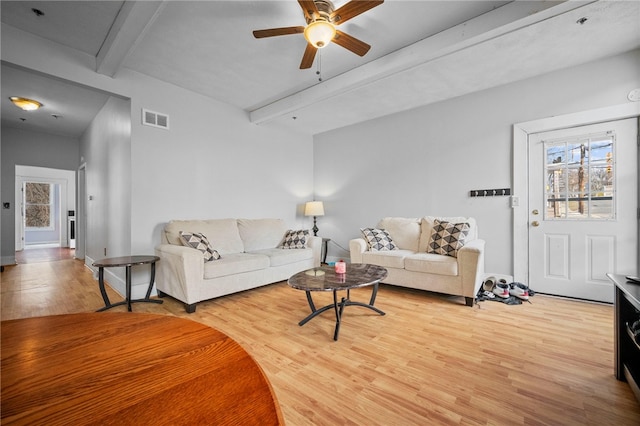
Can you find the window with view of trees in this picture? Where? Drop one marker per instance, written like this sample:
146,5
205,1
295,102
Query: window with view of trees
580,178
38,205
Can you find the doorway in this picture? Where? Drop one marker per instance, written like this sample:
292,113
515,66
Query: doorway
523,212
41,214
582,206
57,185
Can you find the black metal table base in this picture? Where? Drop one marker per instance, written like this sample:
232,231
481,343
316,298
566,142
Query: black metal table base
128,301
339,308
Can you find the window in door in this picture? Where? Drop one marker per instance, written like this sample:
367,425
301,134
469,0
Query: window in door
579,177
39,206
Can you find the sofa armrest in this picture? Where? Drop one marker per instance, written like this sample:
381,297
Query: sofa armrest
180,272
471,267
315,244
357,246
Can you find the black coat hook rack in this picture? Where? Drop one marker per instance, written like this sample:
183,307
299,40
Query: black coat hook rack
489,192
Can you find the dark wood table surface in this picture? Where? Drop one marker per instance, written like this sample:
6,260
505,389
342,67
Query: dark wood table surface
325,278
129,368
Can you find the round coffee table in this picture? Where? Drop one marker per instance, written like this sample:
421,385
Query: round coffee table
325,278
129,368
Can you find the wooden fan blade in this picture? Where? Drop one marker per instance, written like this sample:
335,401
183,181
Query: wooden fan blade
309,9
358,47
308,57
272,32
352,9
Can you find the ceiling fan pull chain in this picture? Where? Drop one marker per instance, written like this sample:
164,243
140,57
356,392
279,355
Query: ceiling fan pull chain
319,71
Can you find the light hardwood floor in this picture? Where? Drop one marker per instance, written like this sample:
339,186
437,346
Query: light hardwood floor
430,360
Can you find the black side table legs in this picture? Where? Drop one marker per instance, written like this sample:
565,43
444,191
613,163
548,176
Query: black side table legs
127,262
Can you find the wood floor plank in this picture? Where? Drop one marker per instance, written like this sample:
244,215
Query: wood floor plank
429,360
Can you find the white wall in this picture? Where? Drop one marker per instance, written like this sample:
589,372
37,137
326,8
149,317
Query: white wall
106,150
212,163
425,161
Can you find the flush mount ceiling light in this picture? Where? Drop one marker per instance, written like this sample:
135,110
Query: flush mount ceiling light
25,104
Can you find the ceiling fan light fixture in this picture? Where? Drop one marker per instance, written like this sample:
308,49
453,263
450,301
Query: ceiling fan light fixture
25,104
319,33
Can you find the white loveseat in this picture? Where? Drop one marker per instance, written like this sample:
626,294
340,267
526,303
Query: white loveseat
250,257
409,264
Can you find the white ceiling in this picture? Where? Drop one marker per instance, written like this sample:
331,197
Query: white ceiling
67,108
422,52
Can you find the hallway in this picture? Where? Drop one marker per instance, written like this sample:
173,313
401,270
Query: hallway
45,254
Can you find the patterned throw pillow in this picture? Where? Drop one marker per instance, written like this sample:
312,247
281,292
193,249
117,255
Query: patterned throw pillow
295,239
447,238
378,239
199,242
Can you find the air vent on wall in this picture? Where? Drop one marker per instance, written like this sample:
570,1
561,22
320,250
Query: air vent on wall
155,119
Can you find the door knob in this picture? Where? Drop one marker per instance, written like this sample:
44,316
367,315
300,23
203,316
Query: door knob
535,223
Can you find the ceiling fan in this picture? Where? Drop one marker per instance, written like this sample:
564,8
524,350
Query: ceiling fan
321,30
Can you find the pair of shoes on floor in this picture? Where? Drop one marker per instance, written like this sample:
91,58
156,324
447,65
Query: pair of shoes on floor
519,290
497,287
489,284
488,294
500,288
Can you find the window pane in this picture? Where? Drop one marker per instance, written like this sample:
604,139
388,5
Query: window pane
579,210
37,216
556,208
578,153
600,181
37,193
602,208
555,182
580,172
556,155
38,208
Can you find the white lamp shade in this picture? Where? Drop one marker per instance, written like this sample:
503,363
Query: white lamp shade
314,208
319,33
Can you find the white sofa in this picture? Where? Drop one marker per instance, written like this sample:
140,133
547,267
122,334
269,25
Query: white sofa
409,265
250,257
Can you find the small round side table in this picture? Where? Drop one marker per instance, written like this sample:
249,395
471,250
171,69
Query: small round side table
127,262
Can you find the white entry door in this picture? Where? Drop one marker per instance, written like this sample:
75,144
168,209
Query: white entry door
583,209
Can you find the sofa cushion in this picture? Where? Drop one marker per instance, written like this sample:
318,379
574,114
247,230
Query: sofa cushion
447,237
260,234
387,259
378,239
222,233
279,257
426,225
201,243
431,263
235,263
404,231
295,239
